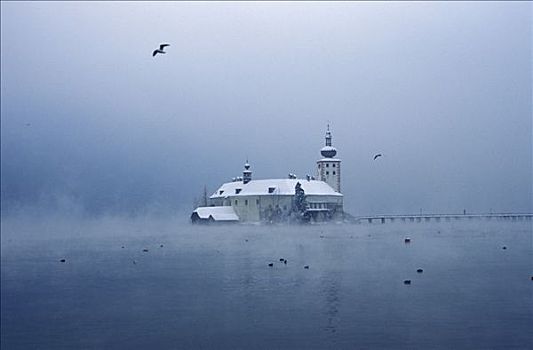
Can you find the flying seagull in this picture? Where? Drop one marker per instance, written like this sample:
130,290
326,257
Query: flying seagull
377,156
160,50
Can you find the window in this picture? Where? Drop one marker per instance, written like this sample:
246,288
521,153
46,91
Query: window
318,165
238,190
236,202
285,207
220,192
257,202
334,173
333,165
246,202
327,172
271,189
327,165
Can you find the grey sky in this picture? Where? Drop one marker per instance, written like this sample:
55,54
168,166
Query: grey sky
443,90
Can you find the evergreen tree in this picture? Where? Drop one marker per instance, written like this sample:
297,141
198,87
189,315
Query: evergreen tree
299,199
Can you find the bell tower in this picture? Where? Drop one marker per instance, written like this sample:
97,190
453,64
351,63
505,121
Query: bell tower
329,167
247,173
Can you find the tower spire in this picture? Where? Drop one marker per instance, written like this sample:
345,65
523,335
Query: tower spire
328,137
328,151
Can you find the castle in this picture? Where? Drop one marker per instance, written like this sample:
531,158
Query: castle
279,200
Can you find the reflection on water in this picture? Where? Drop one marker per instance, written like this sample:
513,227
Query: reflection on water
330,293
211,287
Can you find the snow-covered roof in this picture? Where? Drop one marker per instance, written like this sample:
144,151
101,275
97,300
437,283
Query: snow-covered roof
328,159
328,148
218,213
274,187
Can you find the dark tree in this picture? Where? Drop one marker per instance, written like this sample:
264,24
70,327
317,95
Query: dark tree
299,199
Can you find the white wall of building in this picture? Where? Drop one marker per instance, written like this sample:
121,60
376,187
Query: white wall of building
329,171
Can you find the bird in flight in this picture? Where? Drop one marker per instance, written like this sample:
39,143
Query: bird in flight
160,50
377,156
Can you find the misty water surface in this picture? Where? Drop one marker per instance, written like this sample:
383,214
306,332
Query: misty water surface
211,287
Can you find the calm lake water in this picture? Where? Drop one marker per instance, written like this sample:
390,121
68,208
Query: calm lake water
212,288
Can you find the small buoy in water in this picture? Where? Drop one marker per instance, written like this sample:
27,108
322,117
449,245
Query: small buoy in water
504,247
321,236
281,259
407,282
246,240
285,261
306,267
134,262
161,246
532,278
122,247
62,260
145,250
271,264
419,270
407,240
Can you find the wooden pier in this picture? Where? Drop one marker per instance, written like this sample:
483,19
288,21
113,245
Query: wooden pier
442,218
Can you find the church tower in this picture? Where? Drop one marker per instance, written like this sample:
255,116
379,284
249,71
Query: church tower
329,167
247,173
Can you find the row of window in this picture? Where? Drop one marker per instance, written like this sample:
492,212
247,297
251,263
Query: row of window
318,205
311,205
327,165
327,173
246,202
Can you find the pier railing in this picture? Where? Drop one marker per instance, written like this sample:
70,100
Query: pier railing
442,217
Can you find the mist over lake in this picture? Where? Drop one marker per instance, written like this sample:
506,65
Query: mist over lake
211,286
